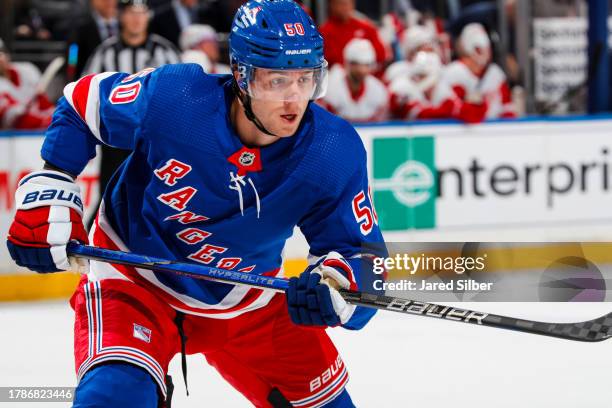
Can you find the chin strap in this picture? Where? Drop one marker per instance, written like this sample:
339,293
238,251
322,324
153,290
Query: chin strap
248,111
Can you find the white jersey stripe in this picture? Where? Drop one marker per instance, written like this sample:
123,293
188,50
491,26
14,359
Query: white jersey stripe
92,111
68,91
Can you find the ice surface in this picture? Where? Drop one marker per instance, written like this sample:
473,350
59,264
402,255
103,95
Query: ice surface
396,361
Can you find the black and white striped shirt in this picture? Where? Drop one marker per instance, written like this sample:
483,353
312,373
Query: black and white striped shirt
114,55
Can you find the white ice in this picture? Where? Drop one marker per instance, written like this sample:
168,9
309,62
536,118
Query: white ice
396,361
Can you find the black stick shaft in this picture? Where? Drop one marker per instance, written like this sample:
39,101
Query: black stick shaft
589,331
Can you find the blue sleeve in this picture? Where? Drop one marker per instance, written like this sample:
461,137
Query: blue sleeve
104,108
346,222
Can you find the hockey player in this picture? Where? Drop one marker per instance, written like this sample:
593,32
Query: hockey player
199,44
415,39
222,169
477,80
22,104
421,95
357,95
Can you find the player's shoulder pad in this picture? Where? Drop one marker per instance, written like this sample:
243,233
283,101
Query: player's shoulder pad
495,72
455,71
334,131
336,151
183,83
377,86
27,69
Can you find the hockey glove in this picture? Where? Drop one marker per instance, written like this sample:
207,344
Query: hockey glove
49,215
312,298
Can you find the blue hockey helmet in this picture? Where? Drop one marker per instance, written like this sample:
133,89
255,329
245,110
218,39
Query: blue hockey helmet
277,35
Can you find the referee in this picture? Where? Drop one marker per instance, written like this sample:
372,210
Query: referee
133,50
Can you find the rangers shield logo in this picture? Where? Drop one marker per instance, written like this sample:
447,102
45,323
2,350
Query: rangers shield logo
142,333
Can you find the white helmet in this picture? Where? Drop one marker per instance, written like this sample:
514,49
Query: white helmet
473,36
360,51
195,34
427,66
416,37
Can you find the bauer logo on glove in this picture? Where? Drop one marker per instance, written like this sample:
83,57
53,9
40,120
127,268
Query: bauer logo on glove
49,215
47,195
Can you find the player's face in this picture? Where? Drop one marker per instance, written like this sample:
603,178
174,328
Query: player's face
358,72
280,98
424,48
482,56
283,85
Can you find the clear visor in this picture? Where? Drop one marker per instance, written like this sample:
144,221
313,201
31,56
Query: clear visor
287,85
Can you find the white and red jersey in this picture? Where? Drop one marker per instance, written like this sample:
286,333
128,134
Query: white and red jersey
20,106
396,70
369,104
441,102
200,58
492,87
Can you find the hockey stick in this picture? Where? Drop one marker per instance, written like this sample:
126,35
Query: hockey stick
590,331
52,69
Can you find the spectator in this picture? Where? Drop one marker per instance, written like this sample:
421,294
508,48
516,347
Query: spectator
421,95
356,94
23,104
199,44
342,26
416,38
29,23
98,25
134,49
170,21
477,80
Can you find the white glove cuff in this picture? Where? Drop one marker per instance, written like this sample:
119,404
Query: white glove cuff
343,309
48,188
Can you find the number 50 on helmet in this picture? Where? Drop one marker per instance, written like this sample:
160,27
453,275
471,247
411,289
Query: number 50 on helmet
277,52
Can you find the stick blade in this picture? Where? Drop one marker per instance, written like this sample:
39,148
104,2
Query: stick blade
591,330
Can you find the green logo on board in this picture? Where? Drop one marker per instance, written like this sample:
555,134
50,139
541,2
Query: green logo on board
404,182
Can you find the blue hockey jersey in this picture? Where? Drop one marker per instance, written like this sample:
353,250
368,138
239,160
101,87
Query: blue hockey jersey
191,191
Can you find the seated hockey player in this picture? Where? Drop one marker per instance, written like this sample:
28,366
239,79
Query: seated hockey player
357,95
22,104
421,95
200,45
414,40
221,171
475,78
